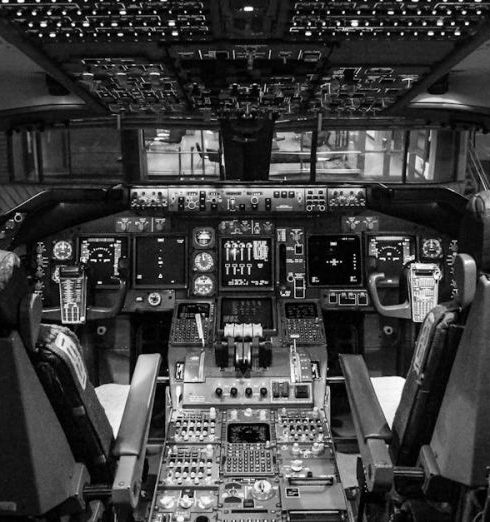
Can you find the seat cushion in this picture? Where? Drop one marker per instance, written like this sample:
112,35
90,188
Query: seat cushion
389,392
113,398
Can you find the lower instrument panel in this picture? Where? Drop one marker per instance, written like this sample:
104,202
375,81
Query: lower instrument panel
247,465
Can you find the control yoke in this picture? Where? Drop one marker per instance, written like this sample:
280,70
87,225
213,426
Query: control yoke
73,307
423,286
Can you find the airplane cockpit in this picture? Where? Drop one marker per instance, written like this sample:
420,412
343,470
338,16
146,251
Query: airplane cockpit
244,258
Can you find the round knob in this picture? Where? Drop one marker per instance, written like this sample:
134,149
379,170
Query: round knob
297,465
206,501
263,391
249,392
185,502
166,501
218,392
154,299
233,392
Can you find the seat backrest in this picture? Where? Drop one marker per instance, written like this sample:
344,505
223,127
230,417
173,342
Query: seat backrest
60,366
59,363
430,367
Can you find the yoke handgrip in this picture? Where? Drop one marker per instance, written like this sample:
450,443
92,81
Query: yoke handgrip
401,311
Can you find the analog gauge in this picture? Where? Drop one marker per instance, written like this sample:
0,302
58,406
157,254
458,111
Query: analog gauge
62,250
432,248
203,237
203,262
203,285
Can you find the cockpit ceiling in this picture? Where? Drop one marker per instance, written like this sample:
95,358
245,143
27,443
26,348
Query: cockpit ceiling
229,58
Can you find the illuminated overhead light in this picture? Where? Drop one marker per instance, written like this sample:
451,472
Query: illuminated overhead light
248,8
354,23
171,23
308,33
175,33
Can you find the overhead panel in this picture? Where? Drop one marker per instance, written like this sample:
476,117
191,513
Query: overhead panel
264,58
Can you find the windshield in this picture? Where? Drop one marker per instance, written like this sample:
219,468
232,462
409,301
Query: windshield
98,155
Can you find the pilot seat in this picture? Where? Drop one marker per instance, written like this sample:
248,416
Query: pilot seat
66,448
433,463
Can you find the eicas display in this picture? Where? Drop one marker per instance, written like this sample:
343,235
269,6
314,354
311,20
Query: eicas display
246,262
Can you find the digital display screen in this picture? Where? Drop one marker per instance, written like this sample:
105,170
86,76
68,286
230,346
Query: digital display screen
251,433
300,311
189,310
247,310
246,262
334,260
101,255
160,262
389,254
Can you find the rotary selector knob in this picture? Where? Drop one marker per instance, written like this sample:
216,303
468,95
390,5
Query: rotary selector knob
297,465
233,392
166,501
206,501
218,392
262,490
249,392
185,502
263,391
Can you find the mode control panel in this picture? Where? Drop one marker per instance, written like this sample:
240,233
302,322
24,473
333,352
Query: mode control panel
249,199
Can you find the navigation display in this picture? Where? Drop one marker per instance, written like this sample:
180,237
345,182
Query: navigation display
247,310
334,260
389,254
101,255
246,262
160,262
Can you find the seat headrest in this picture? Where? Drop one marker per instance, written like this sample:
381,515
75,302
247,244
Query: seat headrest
474,236
13,288
465,276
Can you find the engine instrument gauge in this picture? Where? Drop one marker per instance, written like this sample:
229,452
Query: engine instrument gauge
432,248
203,285
62,250
203,262
203,237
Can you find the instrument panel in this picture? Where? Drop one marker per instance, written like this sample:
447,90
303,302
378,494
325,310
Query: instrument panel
178,254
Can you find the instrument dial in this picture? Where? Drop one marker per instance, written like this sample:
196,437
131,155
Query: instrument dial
203,237
203,262
62,250
203,285
432,248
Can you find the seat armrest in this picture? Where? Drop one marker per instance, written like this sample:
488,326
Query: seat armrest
133,434
136,418
372,431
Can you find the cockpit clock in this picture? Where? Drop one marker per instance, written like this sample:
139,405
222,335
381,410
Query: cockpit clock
432,248
62,250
